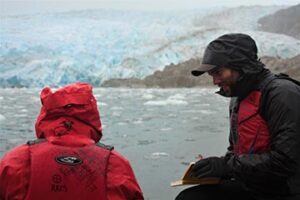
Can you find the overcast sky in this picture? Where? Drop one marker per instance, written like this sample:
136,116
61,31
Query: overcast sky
19,6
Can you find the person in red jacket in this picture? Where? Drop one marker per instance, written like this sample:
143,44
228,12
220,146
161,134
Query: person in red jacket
67,161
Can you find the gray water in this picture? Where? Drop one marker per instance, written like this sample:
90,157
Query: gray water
158,130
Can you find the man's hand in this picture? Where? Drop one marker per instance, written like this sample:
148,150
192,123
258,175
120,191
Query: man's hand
211,167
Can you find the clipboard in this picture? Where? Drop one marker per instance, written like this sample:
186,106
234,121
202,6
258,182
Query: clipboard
188,179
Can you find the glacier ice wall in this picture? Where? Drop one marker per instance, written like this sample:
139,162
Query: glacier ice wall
95,45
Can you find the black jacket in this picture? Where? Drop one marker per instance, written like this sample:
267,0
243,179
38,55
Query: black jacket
276,172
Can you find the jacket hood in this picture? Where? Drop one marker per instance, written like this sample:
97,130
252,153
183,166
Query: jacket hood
71,110
237,51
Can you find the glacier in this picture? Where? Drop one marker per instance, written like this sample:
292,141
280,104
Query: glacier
58,48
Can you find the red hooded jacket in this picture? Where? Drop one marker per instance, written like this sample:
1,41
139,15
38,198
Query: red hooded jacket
67,162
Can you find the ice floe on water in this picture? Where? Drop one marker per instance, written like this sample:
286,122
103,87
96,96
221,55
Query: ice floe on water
122,123
157,155
137,121
177,96
116,114
20,115
172,115
206,112
117,108
148,96
166,129
2,117
101,104
177,99
165,102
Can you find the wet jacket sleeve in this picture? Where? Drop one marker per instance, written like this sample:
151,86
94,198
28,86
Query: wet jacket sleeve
281,109
121,181
14,174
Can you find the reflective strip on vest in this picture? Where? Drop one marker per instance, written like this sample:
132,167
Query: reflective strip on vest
253,132
60,173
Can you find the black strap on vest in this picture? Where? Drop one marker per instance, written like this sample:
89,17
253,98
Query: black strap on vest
108,147
285,76
40,140
36,141
234,107
272,77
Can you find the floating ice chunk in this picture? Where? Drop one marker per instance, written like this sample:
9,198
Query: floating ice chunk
204,104
117,108
138,121
116,114
166,129
2,117
157,155
206,112
101,104
148,96
165,102
155,103
20,115
176,102
160,154
177,97
97,96
122,123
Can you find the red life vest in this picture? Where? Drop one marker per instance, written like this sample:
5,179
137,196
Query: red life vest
252,129
62,172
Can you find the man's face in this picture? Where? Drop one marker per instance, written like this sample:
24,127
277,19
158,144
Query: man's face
225,78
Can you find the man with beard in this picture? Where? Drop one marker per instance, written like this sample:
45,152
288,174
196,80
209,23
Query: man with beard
263,157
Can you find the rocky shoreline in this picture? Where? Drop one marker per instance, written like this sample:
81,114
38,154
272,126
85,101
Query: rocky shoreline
179,76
